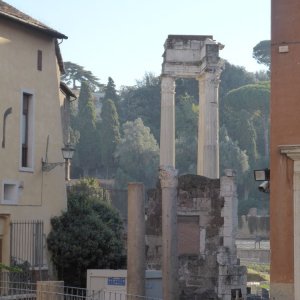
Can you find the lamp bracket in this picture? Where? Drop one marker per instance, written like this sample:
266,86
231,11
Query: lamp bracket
46,167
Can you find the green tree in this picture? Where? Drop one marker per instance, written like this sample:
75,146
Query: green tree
110,136
111,92
87,236
142,101
233,77
231,156
262,53
76,74
186,134
246,109
85,123
245,114
189,87
138,155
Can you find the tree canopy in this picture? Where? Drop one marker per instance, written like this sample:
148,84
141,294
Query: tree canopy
143,101
186,134
76,74
110,135
137,155
87,236
262,53
119,150
85,123
111,93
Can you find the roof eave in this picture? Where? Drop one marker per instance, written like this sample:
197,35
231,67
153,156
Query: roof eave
48,31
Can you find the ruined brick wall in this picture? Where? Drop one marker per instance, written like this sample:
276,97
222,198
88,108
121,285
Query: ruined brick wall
199,234
207,221
199,197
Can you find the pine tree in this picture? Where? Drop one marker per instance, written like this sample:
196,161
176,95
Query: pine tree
110,135
85,123
76,74
111,93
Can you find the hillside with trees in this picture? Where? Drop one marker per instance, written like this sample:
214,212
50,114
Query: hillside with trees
123,143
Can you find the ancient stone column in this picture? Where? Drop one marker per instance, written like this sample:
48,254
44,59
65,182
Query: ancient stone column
208,128
169,182
49,290
167,124
136,240
230,210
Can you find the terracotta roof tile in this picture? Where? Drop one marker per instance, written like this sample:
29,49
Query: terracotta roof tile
12,13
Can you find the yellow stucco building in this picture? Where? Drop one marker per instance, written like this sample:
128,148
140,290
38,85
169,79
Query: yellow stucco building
31,106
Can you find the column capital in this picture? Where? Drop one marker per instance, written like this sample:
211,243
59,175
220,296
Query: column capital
168,84
212,75
168,176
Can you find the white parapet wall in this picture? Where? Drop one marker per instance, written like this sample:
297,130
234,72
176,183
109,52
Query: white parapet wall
115,281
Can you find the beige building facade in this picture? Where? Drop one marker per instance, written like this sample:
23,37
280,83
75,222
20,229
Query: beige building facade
31,132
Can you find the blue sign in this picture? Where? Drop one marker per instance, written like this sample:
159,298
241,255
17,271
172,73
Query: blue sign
116,281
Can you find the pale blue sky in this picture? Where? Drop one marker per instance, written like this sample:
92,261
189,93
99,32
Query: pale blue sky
124,38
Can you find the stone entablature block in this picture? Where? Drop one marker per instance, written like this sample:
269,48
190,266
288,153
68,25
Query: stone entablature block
188,56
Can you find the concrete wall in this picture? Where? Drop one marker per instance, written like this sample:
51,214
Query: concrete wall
40,195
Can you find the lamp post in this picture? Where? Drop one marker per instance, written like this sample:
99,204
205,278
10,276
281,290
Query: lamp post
67,152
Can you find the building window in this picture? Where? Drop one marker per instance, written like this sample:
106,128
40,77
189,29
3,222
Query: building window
27,132
10,192
27,240
39,60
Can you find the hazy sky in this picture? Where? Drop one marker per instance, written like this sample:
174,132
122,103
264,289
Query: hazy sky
124,38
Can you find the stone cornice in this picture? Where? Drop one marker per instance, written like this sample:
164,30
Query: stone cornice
291,151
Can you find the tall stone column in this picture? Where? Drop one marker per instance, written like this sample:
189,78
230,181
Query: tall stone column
169,182
167,124
208,127
136,240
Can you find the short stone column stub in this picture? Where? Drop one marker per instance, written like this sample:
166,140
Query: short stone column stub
136,240
169,181
48,290
230,213
167,124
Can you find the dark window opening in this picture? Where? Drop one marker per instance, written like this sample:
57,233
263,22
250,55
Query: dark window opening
25,117
39,60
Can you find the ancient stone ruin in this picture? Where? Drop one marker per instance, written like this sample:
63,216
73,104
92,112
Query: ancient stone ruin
208,267
193,228
192,56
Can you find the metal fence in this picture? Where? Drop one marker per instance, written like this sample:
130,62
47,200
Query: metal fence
258,290
11,289
27,243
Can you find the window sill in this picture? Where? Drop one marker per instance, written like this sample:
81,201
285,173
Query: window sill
28,170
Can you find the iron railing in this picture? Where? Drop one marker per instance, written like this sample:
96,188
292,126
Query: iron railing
27,243
50,290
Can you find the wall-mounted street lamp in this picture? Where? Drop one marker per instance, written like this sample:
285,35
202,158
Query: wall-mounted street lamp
263,175
67,152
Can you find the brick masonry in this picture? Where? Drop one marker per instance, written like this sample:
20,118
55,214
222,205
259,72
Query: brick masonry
207,221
